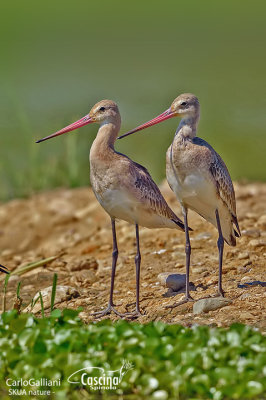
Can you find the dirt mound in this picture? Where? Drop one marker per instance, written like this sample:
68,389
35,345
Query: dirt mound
71,224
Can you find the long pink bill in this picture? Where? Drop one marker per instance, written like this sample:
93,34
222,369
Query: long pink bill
78,124
160,118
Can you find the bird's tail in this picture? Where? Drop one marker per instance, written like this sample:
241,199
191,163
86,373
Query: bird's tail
179,223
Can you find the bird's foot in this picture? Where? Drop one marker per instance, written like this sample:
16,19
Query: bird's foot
220,292
133,315
110,308
186,299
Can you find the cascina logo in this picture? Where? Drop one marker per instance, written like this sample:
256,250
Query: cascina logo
98,378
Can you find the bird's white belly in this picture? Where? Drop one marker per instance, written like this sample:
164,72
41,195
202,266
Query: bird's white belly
196,192
120,204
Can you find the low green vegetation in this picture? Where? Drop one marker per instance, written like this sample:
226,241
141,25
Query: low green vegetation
168,361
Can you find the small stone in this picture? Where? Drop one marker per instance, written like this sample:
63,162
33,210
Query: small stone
255,233
251,215
257,243
105,247
63,293
203,236
212,281
88,263
161,251
246,279
262,221
199,270
245,296
210,304
6,253
84,212
83,277
172,281
246,263
243,256
199,289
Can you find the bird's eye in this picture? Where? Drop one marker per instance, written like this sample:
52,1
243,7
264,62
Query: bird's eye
102,109
184,103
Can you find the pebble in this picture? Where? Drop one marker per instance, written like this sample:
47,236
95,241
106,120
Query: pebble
257,243
246,263
212,281
243,256
172,281
245,296
63,293
84,212
88,263
6,253
255,233
161,251
251,215
85,276
198,270
247,279
262,221
210,304
203,235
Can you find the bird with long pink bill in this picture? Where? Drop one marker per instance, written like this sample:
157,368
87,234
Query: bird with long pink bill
124,188
199,178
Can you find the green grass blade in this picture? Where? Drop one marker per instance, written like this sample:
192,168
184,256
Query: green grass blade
30,266
18,290
5,290
53,292
41,300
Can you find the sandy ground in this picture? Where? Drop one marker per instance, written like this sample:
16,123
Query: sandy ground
71,224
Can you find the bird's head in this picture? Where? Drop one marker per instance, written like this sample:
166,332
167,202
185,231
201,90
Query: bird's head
106,111
185,106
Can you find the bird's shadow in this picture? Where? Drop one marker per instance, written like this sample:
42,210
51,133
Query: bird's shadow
171,293
246,285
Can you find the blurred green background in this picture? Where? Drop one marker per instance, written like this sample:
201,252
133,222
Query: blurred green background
59,57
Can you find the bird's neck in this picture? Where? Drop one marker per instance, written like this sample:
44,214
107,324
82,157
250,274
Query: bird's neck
188,127
105,139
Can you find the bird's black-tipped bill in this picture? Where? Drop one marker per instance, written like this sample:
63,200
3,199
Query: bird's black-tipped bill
160,118
78,124
4,269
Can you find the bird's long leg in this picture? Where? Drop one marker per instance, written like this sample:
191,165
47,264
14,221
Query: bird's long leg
110,306
137,312
188,252
220,244
137,262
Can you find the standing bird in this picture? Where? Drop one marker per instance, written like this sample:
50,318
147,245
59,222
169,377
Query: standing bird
199,178
124,188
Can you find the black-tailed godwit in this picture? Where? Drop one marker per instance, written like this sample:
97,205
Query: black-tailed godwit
199,178
124,188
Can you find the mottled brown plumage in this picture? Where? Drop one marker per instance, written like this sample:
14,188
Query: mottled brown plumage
199,177
124,188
